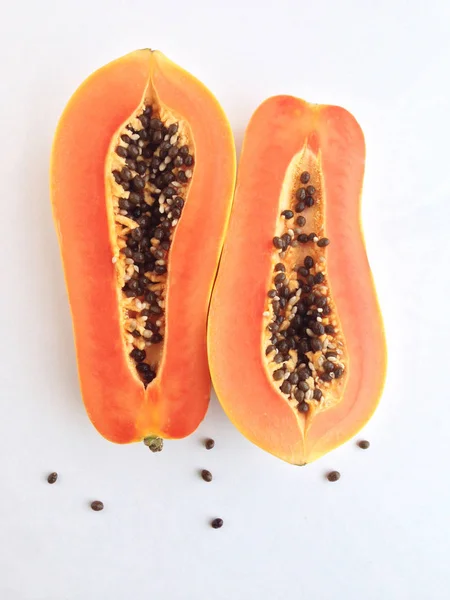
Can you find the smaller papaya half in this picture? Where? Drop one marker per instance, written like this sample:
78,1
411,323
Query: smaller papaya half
142,178
295,336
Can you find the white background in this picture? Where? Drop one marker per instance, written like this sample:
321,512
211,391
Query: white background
382,532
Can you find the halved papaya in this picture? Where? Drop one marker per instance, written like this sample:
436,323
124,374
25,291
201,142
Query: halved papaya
295,336
142,178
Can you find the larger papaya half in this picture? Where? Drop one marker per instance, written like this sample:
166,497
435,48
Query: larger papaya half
142,177
296,342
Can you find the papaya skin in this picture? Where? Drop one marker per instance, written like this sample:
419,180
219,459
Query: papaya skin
118,404
283,130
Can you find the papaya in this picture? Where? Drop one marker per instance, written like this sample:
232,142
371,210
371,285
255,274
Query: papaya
142,179
295,336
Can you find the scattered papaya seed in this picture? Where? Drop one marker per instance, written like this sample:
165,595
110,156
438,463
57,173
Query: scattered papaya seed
206,475
333,476
52,477
364,444
217,523
209,443
97,505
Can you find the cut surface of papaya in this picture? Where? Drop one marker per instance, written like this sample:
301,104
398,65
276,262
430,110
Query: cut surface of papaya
295,336
142,178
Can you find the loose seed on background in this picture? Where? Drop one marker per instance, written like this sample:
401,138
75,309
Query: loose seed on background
97,505
206,475
217,523
52,477
333,476
209,444
364,444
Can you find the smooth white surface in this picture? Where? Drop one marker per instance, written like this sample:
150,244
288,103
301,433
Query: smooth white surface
380,533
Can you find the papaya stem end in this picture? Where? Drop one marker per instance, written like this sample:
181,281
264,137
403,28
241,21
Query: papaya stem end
154,443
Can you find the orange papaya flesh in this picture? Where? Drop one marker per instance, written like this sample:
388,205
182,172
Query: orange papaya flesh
295,336
142,177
